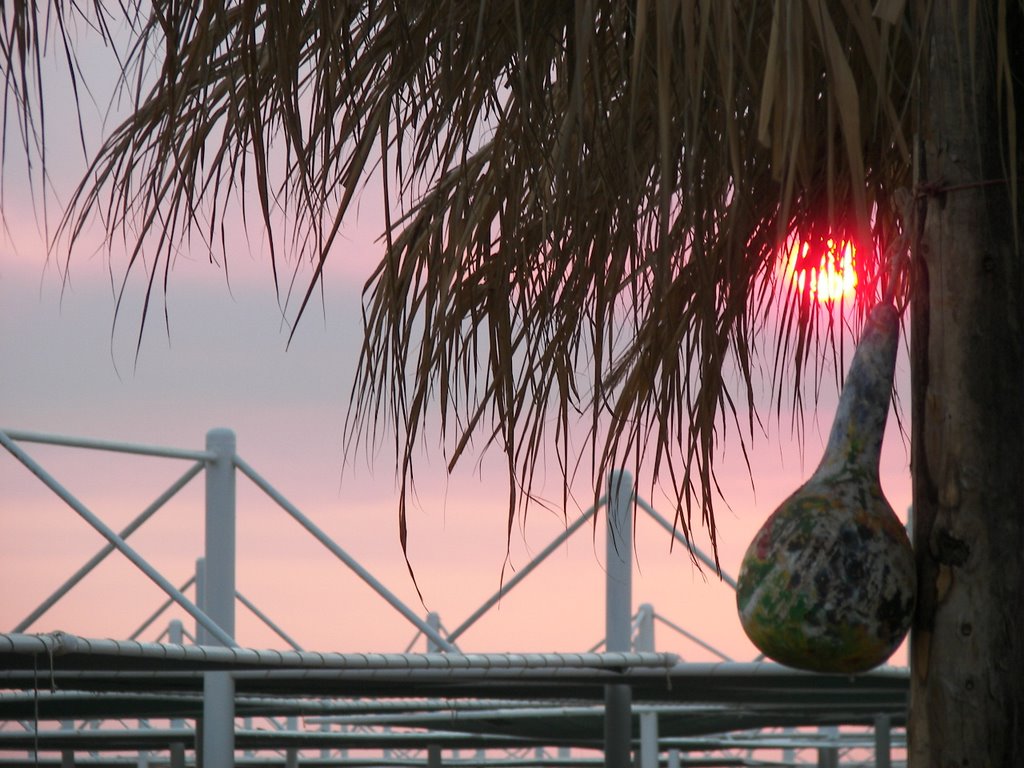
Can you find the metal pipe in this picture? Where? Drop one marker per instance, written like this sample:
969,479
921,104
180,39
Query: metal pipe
619,563
266,620
697,551
163,607
200,579
104,530
434,621
523,572
453,715
218,740
219,592
100,556
291,755
175,632
883,741
67,756
346,558
693,637
106,445
412,643
618,723
308,663
828,756
648,719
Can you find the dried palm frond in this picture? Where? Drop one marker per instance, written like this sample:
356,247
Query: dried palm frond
585,199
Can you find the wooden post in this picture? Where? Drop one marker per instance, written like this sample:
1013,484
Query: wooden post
967,648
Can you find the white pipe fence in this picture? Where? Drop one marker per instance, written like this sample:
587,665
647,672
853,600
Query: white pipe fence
216,595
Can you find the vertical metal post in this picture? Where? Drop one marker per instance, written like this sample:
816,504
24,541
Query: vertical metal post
201,632
673,758
433,750
648,720
291,755
218,745
143,760
67,756
176,634
200,640
828,757
434,622
788,754
618,720
325,752
883,741
247,725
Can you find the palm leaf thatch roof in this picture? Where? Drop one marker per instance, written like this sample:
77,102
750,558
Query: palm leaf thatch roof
585,200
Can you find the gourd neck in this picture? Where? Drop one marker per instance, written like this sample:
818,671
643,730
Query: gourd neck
855,442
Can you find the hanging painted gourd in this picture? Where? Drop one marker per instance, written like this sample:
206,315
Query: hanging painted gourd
828,582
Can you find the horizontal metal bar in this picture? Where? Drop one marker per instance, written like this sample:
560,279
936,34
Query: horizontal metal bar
171,657
453,715
107,445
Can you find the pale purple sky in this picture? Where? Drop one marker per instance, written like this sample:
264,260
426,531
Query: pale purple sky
68,369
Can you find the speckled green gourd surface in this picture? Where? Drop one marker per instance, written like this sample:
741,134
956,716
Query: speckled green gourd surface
828,582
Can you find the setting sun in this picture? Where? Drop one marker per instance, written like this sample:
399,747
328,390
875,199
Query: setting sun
827,277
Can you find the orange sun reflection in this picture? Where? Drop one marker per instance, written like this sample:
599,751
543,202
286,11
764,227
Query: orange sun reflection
827,278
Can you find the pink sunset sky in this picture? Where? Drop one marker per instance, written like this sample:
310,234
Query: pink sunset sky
67,368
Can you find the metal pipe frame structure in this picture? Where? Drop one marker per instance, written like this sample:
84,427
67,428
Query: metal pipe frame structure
224,694
114,539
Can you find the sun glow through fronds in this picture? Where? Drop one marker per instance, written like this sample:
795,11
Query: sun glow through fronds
826,273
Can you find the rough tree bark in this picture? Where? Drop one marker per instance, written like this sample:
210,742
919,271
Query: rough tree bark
967,647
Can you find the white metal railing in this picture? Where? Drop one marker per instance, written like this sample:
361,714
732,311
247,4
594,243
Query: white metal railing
220,454
216,593
116,541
